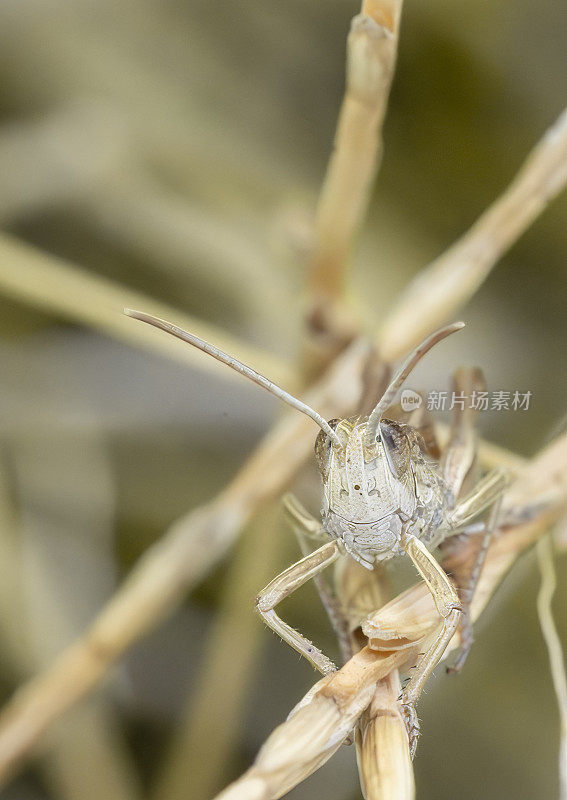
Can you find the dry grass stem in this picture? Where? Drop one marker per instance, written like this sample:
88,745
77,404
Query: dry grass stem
59,287
406,619
560,535
450,281
554,648
87,756
384,760
315,729
382,745
16,656
371,56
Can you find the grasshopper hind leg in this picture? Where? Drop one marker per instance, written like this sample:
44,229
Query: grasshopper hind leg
468,585
460,469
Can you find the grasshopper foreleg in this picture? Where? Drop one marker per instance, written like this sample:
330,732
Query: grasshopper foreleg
307,528
286,583
449,607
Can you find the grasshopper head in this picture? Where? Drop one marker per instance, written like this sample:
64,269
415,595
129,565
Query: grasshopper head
361,478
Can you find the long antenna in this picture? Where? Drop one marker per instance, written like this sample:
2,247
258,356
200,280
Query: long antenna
236,365
414,357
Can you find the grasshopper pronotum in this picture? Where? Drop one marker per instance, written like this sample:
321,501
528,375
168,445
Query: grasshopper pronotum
383,496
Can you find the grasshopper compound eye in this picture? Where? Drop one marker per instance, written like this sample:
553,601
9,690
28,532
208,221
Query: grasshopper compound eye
386,435
396,447
323,448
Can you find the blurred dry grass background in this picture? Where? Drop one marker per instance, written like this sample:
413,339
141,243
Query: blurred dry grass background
175,150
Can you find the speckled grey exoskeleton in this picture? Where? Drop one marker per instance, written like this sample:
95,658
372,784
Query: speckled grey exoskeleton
383,496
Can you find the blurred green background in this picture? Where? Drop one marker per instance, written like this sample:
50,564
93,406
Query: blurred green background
177,148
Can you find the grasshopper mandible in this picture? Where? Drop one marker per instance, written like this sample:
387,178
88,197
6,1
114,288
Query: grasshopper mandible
383,496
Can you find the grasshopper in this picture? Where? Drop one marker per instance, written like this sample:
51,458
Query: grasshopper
384,497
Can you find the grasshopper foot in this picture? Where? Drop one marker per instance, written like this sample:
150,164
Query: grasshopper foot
411,722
